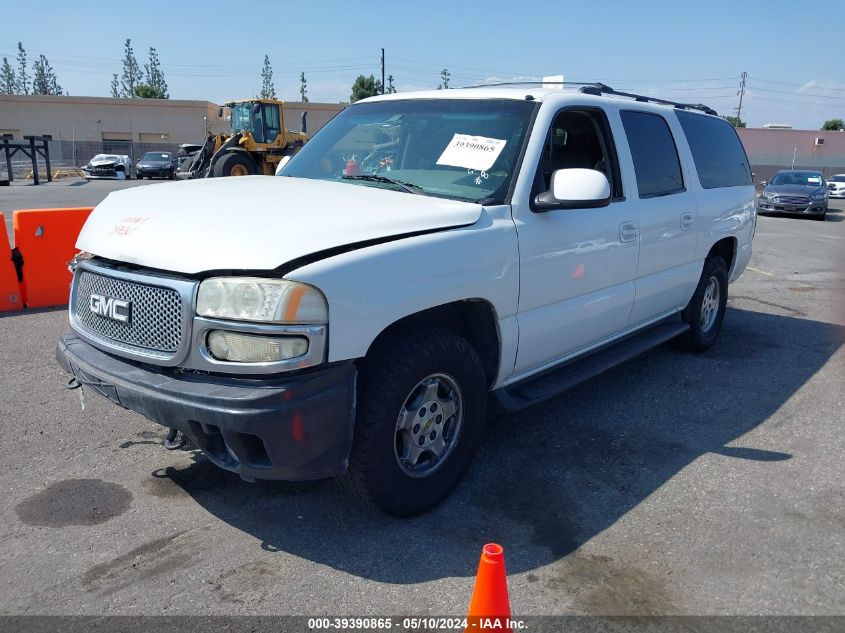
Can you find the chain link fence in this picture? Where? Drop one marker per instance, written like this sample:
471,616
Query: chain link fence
78,153
65,154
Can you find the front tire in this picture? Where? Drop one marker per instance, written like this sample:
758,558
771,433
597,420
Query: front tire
706,310
421,410
235,164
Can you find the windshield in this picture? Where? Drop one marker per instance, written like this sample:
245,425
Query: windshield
241,116
156,156
464,149
805,178
837,179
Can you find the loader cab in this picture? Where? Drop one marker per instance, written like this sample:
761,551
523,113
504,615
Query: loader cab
260,118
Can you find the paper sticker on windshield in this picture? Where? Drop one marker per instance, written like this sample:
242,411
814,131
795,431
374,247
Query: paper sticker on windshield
815,180
472,152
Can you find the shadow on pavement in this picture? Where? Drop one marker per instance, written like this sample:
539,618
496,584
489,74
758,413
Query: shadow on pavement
550,478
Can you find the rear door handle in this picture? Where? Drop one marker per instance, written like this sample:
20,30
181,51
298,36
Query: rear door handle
628,232
687,220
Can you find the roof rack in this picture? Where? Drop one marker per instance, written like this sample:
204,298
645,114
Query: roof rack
598,89
603,89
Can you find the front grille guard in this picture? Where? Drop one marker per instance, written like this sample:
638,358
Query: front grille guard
186,290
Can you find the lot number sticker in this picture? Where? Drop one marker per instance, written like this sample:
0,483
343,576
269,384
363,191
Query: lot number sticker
472,152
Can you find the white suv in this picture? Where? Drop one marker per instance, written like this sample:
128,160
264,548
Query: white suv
423,251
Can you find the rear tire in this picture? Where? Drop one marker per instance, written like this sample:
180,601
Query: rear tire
234,164
421,410
706,310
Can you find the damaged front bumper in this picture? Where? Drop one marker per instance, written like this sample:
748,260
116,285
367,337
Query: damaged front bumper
293,428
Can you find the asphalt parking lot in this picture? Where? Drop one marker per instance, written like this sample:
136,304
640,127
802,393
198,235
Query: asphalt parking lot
70,192
674,484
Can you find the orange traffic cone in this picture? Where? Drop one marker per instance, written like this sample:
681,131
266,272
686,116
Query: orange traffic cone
489,607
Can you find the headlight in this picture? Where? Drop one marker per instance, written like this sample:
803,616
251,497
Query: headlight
261,299
820,195
768,195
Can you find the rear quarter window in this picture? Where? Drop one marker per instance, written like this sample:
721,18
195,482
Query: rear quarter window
718,154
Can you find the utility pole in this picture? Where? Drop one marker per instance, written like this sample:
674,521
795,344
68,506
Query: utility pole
382,71
741,93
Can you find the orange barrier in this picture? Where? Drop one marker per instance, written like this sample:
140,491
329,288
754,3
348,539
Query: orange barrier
46,240
10,290
489,608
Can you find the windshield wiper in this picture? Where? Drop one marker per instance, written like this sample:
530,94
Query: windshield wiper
405,186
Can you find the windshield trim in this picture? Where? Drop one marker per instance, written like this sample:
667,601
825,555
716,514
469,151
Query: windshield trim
520,158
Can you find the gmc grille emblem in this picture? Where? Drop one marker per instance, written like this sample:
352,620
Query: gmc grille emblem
111,308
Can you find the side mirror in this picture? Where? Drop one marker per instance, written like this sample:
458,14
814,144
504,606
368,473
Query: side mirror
763,183
284,161
574,189
256,108
220,112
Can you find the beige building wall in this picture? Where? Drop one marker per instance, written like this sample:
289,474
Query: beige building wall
139,120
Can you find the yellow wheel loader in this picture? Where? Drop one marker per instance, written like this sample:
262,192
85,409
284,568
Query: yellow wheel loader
256,144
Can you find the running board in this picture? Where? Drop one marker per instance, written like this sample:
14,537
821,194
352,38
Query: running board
550,383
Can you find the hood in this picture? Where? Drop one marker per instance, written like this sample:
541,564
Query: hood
101,160
799,190
255,222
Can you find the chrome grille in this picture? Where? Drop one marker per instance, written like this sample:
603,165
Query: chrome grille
792,200
156,313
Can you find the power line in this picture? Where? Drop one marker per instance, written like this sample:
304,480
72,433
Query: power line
799,95
805,85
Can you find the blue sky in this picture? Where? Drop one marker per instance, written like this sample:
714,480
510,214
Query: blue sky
689,51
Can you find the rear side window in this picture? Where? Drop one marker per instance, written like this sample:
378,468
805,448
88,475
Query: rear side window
654,154
718,154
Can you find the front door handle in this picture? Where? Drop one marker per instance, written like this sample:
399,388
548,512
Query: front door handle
627,232
687,220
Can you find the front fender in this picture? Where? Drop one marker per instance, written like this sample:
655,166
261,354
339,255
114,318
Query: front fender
373,287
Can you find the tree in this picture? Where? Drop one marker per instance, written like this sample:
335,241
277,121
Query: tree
115,86
146,91
834,124
8,81
268,90
390,87
445,75
131,71
364,87
156,86
23,76
303,88
44,80
734,121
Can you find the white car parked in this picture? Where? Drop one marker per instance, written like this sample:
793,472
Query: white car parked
422,252
836,186
114,166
